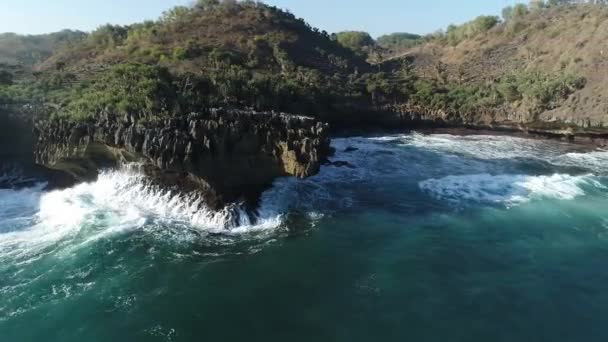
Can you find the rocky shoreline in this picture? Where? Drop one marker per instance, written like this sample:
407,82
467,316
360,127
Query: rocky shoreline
406,117
226,155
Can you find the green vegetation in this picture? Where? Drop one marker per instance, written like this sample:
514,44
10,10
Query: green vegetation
512,17
47,89
399,41
228,53
538,91
359,42
531,91
250,55
514,12
139,90
456,34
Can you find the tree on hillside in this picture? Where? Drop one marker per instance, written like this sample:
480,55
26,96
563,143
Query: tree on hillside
359,42
207,4
399,40
455,34
174,14
537,5
109,35
515,12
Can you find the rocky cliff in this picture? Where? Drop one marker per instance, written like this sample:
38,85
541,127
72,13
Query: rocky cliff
17,165
226,155
16,140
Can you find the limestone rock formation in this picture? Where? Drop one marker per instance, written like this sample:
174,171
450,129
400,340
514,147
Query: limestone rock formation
227,155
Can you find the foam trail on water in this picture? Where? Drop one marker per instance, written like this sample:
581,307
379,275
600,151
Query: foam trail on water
509,189
488,147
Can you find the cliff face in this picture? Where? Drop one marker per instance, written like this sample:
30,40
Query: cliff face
17,166
226,155
16,139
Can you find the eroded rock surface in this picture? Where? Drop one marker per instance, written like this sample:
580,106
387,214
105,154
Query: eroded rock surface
228,155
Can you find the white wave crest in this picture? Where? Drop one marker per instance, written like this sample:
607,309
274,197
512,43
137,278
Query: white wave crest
490,147
34,220
509,189
500,147
127,195
118,201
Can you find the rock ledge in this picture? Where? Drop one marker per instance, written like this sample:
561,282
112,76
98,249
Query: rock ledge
227,155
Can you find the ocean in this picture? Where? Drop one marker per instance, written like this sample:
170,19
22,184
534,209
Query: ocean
412,237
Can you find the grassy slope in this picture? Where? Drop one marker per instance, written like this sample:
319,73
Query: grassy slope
558,41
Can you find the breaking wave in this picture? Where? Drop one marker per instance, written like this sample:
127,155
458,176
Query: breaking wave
510,189
32,221
487,147
126,194
373,171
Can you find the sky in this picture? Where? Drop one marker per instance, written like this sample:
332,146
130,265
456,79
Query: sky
376,16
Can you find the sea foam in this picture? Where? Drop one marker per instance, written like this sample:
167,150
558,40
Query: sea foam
128,195
117,202
509,189
456,169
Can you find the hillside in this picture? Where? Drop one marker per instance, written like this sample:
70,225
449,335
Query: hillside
34,49
537,65
185,39
243,54
185,96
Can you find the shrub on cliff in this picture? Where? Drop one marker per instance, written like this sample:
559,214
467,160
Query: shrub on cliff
134,89
153,91
540,91
532,92
399,41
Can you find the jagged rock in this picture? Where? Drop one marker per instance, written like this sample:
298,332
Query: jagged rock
226,154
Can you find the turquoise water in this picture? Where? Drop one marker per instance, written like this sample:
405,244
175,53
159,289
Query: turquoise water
422,238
